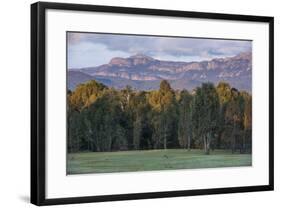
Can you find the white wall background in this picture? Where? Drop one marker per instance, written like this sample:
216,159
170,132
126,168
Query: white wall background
15,101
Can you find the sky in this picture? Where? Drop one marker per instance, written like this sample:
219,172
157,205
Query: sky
94,49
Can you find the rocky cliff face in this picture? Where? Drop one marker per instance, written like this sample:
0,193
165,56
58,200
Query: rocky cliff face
144,72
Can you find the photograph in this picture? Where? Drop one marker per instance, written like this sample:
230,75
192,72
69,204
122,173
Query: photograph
132,103
150,103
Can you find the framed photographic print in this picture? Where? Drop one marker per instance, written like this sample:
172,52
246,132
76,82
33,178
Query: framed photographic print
134,103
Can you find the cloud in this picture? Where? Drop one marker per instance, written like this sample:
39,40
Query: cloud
160,47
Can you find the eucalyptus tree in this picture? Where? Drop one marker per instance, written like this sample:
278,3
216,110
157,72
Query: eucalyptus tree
247,121
85,94
205,111
184,119
224,93
164,106
234,116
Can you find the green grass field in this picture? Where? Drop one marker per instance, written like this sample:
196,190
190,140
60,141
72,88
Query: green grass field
127,161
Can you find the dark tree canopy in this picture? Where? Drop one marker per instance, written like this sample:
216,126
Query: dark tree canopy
211,117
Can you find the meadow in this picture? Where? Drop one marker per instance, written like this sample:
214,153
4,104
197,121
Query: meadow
149,160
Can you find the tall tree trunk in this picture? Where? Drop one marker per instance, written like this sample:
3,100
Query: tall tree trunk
233,141
165,141
244,141
165,137
188,142
208,144
219,140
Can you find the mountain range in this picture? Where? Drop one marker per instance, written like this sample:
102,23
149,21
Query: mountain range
145,73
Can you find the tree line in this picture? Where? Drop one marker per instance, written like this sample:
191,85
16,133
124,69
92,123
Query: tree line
210,117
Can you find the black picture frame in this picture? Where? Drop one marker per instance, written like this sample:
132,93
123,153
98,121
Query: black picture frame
38,99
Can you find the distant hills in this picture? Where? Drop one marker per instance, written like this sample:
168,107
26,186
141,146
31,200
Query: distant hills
145,73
